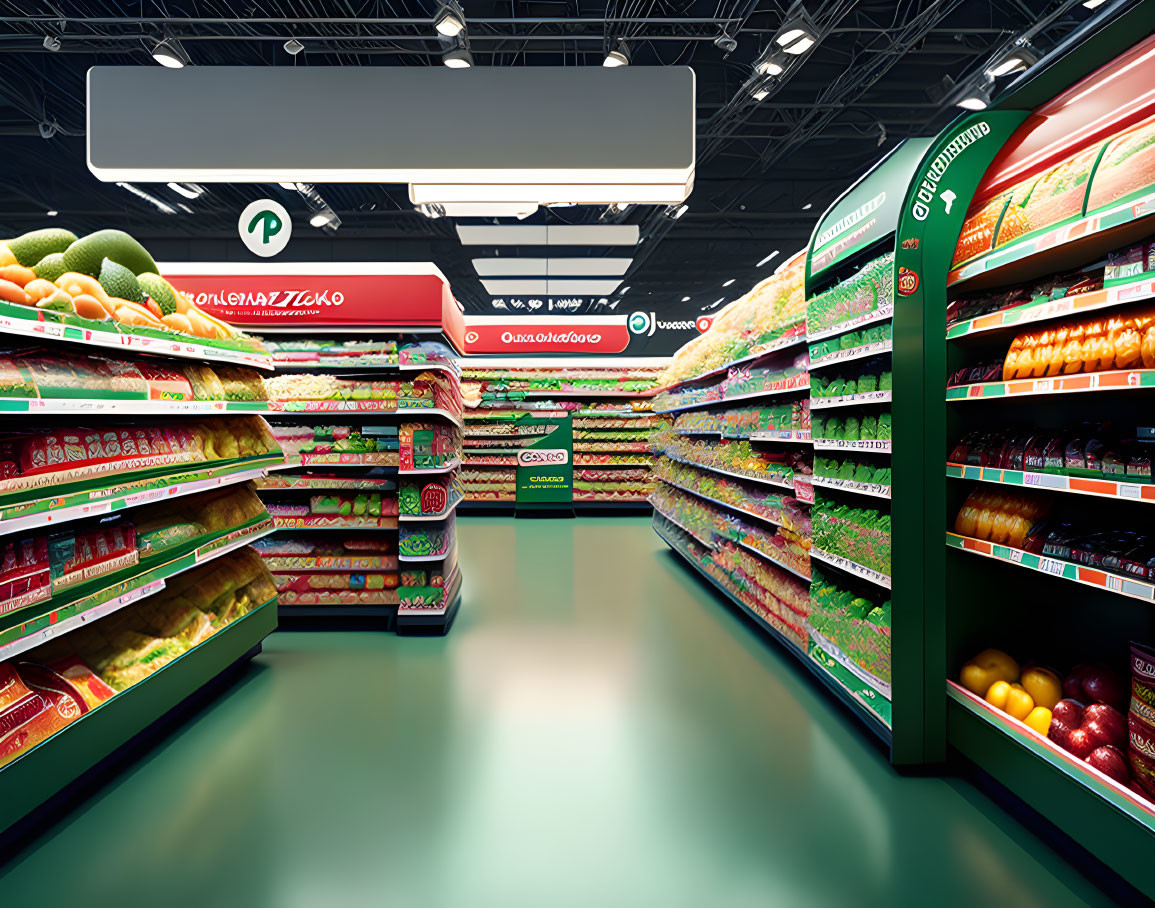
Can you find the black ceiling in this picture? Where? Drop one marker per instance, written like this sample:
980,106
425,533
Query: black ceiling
882,71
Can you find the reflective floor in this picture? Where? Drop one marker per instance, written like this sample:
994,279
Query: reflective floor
597,730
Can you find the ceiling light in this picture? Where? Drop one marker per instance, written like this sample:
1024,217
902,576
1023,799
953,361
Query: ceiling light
584,266
188,190
488,209
978,98
549,235
771,63
685,299
151,199
560,204
621,206
320,219
807,206
765,260
1091,4
761,90
51,212
678,212
1018,59
619,56
796,36
290,186
449,21
720,299
549,286
458,59
729,282
622,292
169,53
293,47
725,43
51,42
546,194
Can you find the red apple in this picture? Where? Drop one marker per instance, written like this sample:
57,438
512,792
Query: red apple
1106,722
1073,683
1081,742
1060,732
1110,761
1104,686
1069,712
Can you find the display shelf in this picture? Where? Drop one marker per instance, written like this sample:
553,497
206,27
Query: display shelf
1055,567
454,501
1055,482
780,483
842,691
48,406
430,471
791,385
881,314
319,522
1108,819
728,506
39,324
45,770
875,445
327,564
1115,380
288,483
418,620
844,356
1029,313
788,436
358,408
851,567
428,559
512,396
28,515
333,612
611,466
382,461
779,565
873,489
1051,241
25,628
850,400
783,343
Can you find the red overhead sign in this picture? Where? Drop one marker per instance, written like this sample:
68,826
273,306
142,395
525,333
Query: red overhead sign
288,295
538,334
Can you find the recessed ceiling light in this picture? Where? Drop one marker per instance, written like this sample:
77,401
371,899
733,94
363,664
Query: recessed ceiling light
458,59
188,190
729,282
619,56
51,212
807,206
685,299
170,53
765,260
449,22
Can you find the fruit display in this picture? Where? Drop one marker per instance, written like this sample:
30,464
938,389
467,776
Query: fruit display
861,535
858,626
740,381
850,301
1087,344
107,281
1004,517
1068,286
748,497
869,338
49,687
771,315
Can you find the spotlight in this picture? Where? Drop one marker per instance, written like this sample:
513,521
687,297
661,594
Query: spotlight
676,213
293,47
169,53
725,43
760,89
1020,58
797,35
978,98
52,43
458,59
450,21
51,212
620,56
320,219
771,63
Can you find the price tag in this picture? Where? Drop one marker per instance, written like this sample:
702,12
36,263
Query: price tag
1032,479
1114,584
1051,566
1017,556
1129,490
1044,385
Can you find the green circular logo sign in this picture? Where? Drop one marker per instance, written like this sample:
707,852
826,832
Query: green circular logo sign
265,227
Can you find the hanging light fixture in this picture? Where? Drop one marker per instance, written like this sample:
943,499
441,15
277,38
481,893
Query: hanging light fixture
619,56
977,98
459,58
1019,58
797,34
771,63
168,52
450,20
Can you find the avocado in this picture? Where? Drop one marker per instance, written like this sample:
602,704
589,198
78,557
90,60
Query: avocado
87,253
118,281
159,290
50,267
32,247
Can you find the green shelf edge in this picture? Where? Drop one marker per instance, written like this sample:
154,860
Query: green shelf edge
43,772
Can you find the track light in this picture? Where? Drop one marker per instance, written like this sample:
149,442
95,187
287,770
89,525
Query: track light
619,56
188,190
760,89
771,63
450,20
978,98
293,47
1091,4
676,213
797,35
170,53
460,58
1020,58
52,43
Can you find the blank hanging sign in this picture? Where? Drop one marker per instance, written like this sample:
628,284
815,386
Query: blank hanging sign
392,124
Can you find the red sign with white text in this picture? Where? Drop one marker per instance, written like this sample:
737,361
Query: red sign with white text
489,334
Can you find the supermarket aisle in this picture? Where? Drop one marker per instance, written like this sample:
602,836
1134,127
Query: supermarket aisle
597,729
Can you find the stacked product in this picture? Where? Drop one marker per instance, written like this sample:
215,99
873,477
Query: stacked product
391,420
610,420
123,541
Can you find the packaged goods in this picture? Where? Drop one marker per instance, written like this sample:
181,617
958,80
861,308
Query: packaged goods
861,535
35,703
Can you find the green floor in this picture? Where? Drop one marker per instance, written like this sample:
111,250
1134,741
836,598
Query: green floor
597,730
